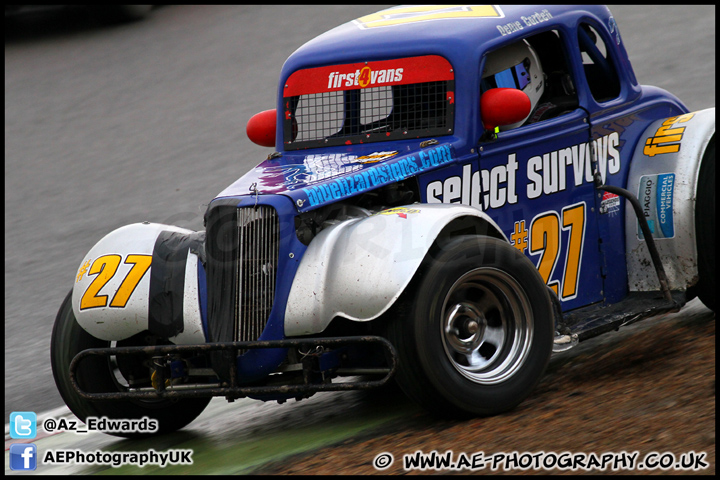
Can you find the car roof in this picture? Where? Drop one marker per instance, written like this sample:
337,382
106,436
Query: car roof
459,33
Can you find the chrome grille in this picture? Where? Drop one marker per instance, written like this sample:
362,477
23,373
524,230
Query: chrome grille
259,243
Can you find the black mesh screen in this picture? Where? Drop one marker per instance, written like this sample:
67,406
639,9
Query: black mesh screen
369,115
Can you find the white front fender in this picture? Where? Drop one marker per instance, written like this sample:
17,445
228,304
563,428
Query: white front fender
141,277
358,268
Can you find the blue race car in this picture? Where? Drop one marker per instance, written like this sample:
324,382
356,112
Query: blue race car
453,194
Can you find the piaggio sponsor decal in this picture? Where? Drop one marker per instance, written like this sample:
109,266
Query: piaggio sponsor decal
424,13
377,175
667,138
656,196
546,174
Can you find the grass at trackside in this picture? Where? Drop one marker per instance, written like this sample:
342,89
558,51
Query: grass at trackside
218,457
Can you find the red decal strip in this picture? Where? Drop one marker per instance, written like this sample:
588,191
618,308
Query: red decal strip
335,78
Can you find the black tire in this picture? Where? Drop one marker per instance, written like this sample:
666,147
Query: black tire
705,228
97,374
474,330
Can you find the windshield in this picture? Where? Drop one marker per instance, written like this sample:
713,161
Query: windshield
369,102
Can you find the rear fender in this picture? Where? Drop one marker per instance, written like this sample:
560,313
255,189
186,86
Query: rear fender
358,268
664,174
141,277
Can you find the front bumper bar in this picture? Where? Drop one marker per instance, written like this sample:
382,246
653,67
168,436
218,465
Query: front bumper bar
233,390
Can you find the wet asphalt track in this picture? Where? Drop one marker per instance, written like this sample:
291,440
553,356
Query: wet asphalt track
111,125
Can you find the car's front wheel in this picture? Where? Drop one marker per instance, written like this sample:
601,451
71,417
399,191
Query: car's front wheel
99,374
474,332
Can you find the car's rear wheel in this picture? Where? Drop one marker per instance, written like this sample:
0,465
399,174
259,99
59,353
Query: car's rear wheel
705,228
98,374
474,332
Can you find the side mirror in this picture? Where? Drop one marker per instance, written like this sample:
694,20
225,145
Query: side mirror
261,128
503,106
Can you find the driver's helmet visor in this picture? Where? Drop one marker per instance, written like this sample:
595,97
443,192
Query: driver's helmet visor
513,77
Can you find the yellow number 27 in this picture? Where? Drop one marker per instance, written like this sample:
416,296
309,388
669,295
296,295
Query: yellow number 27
105,268
545,240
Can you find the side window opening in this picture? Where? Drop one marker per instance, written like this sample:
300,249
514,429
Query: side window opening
599,68
551,87
559,85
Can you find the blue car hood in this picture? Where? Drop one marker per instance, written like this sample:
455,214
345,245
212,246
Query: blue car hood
315,179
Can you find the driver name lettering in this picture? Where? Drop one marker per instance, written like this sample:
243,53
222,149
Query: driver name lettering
545,174
534,19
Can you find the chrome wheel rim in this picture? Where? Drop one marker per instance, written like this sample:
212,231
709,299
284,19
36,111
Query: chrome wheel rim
487,325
